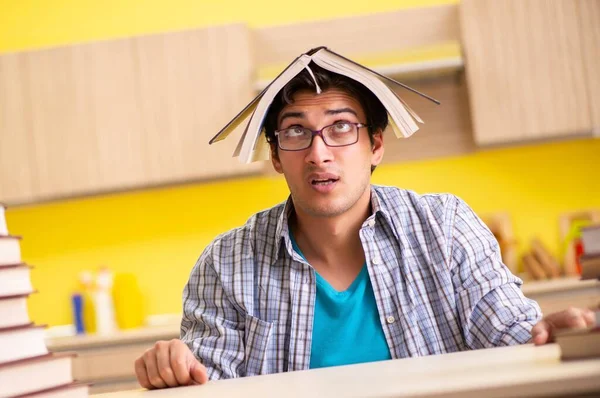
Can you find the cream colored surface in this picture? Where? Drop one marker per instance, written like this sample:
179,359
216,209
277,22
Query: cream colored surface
525,68
499,372
121,114
559,294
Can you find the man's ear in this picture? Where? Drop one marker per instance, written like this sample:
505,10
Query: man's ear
377,148
275,159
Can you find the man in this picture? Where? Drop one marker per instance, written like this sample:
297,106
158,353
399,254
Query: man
343,272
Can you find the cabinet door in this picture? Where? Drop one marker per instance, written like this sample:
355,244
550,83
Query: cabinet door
190,85
122,114
16,142
590,33
525,69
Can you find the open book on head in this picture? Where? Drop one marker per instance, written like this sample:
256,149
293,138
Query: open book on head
253,145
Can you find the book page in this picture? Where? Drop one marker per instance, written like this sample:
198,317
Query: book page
256,121
402,119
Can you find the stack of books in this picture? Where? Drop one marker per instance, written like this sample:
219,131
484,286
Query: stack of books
585,342
580,343
27,368
590,260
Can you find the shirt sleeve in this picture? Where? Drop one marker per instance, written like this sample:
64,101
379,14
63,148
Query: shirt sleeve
211,326
492,309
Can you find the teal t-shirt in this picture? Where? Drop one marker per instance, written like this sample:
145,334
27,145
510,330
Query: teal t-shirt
346,327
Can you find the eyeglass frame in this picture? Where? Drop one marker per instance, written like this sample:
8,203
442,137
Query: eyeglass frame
320,134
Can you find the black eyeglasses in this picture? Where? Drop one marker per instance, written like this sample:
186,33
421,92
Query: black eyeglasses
298,138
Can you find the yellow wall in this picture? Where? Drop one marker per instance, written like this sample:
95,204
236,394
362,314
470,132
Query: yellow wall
158,234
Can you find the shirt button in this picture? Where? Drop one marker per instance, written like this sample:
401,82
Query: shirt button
376,261
370,223
390,319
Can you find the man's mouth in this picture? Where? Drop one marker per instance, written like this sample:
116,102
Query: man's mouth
326,181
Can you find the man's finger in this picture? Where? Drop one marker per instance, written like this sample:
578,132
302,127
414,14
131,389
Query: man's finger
198,372
151,366
141,373
590,317
541,333
178,359
574,318
163,361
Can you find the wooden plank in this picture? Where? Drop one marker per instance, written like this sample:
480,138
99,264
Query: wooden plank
64,143
17,171
191,84
109,82
525,69
589,17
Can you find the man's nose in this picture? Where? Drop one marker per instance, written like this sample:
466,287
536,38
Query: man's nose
319,152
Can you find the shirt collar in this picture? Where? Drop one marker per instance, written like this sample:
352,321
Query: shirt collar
282,232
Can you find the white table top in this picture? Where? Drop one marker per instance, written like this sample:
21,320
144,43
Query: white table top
498,372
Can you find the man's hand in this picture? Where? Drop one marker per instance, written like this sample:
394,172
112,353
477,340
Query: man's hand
169,364
543,332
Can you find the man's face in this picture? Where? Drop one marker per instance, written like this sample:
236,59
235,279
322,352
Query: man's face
327,181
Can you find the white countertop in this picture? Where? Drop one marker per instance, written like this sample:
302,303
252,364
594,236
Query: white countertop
498,372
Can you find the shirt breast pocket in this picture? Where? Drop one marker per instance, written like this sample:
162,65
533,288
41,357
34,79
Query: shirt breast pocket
258,338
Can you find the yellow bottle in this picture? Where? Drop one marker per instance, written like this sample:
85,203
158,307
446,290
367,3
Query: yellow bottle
128,300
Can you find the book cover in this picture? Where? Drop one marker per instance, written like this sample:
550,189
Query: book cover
10,249
71,390
15,279
26,376
22,341
13,310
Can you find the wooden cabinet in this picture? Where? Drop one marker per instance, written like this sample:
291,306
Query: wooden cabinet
107,361
589,11
122,114
530,67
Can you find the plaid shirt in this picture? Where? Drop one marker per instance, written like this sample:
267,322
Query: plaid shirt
436,271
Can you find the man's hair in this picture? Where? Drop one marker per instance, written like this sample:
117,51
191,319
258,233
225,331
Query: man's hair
374,110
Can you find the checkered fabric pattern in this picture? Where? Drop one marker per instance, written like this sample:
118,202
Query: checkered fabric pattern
437,275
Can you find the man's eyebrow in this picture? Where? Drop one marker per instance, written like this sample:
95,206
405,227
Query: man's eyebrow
341,110
299,115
